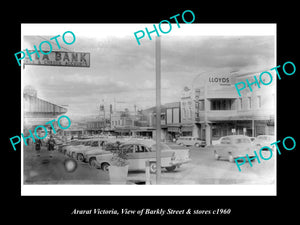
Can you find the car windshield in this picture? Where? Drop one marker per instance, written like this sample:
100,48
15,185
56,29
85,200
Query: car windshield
87,143
262,138
241,140
94,144
266,138
163,146
225,140
111,146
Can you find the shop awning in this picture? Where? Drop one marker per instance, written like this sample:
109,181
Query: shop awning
187,129
122,130
173,129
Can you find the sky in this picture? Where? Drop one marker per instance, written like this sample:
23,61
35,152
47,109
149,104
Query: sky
122,72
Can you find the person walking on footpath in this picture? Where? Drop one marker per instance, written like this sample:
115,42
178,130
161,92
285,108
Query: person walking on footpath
38,145
51,143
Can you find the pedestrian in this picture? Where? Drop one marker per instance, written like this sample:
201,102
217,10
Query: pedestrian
38,145
51,143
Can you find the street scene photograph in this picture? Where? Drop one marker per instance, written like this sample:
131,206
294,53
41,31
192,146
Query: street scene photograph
165,112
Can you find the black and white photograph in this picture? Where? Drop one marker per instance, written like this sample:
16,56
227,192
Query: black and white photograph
183,113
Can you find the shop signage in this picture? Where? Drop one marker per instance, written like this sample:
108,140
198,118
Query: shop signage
41,52
60,58
187,129
173,129
223,81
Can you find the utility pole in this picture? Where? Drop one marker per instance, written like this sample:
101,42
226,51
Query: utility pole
158,108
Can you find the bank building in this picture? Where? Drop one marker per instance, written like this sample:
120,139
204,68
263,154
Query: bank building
212,107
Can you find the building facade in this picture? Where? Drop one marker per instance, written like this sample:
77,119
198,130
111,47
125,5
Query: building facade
122,122
214,108
37,112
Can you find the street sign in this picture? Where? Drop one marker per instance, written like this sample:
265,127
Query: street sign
59,58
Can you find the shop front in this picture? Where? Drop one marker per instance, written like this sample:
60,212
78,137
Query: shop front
173,132
187,130
251,128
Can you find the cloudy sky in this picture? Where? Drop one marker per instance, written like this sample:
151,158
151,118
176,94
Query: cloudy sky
122,71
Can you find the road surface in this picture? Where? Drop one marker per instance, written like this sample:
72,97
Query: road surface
203,169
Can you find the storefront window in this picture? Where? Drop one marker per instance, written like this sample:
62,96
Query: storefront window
259,102
221,104
201,105
249,103
176,115
241,103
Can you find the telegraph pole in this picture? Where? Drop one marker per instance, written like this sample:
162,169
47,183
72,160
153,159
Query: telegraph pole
158,109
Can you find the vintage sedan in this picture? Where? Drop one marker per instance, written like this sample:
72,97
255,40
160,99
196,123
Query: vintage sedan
62,147
190,141
106,147
77,153
264,140
234,146
139,153
88,145
69,149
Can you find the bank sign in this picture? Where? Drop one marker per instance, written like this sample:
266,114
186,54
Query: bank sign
60,58
219,80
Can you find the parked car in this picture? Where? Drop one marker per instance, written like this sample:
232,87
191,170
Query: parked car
182,154
264,140
68,149
77,153
233,146
105,146
252,139
190,141
139,153
216,141
63,147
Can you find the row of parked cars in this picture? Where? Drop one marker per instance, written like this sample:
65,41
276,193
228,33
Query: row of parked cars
234,146
97,152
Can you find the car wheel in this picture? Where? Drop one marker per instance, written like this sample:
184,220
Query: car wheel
197,145
153,167
170,168
217,156
231,158
80,157
93,162
105,166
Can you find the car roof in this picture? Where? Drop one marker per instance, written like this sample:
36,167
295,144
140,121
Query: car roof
235,136
139,142
86,139
265,135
